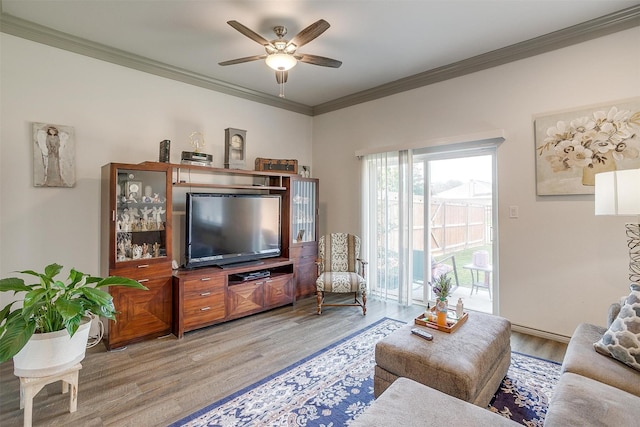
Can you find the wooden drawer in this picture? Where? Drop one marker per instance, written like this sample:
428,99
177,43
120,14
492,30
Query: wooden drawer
278,291
309,251
307,261
303,251
204,300
144,271
203,311
202,286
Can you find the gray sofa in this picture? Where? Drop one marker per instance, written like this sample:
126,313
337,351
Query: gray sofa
594,390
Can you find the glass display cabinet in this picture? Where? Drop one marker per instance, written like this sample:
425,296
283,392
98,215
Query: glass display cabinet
301,206
303,210
136,243
140,215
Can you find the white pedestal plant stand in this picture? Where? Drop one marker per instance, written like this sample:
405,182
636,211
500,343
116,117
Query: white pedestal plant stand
30,386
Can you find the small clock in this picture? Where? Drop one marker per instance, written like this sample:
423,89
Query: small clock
133,190
235,148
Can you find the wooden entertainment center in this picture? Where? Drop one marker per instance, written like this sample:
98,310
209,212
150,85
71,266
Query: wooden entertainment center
206,296
138,209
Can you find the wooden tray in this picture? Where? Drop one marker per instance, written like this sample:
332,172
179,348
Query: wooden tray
452,325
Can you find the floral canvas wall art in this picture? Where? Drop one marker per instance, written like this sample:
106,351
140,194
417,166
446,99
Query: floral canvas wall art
572,147
53,155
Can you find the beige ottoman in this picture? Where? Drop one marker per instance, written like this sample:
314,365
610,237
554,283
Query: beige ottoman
468,364
407,403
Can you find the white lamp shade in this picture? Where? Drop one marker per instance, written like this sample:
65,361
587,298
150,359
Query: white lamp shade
281,61
618,192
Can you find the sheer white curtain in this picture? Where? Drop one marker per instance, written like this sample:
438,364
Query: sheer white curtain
387,220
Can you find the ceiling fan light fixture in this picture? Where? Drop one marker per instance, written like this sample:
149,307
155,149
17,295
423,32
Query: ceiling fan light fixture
281,61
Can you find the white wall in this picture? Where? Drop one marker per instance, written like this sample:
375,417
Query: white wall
559,264
119,115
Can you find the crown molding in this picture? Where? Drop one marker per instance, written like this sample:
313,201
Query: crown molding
28,30
608,24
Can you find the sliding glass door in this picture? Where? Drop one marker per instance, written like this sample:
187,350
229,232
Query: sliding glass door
430,213
459,225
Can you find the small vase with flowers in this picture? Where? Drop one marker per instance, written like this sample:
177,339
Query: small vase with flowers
441,287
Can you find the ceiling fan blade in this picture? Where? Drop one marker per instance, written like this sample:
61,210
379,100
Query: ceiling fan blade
281,76
310,33
318,60
249,33
241,60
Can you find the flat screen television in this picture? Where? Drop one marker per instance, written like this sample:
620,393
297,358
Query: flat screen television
224,229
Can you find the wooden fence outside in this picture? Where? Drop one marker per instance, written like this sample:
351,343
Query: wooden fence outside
455,226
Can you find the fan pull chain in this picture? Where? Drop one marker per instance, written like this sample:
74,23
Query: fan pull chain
281,95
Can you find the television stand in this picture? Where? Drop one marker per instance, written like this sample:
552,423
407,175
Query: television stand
209,295
241,264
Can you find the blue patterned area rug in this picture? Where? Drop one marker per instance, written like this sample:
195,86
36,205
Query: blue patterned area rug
334,385
525,392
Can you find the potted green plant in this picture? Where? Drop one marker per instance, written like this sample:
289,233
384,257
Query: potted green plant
53,311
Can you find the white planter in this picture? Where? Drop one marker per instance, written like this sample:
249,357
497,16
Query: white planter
51,353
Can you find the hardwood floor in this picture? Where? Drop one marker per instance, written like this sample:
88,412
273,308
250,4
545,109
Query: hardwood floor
158,382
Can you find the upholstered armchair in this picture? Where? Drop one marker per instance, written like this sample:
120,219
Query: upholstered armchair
340,269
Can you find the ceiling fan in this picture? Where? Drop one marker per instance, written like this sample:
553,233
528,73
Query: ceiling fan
281,54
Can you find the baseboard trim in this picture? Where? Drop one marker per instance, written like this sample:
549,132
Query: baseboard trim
539,333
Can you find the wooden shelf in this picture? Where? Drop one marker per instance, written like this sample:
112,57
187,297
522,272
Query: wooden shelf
275,178
227,171
230,186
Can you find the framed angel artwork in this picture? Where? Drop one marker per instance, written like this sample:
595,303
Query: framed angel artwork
54,163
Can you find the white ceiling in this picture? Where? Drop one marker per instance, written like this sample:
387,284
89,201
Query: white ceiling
377,41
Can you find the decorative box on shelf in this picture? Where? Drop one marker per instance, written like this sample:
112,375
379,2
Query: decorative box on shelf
453,322
277,165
